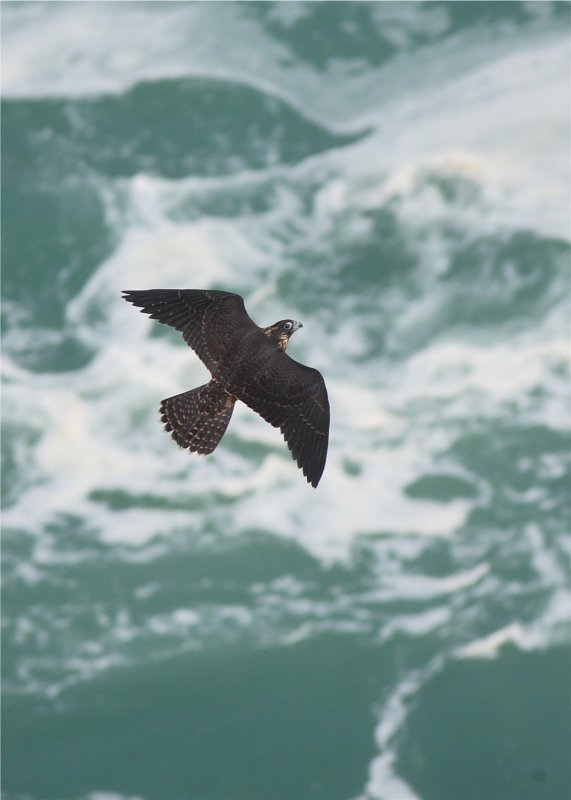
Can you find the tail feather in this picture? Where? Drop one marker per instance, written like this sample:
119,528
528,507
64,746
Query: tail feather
198,419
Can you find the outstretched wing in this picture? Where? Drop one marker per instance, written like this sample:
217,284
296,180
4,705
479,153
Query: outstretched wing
293,398
209,320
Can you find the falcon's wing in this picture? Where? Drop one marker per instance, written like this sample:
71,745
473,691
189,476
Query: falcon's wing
209,320
293,398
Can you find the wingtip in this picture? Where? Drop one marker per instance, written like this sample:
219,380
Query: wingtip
313,480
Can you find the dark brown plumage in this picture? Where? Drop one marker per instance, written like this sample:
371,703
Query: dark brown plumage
247,363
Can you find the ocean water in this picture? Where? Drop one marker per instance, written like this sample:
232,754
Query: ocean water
396,176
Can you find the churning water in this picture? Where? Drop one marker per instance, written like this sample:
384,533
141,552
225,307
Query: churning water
396,176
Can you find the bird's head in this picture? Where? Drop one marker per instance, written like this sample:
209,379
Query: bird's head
282,330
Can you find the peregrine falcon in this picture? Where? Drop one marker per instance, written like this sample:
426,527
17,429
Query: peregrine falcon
247,363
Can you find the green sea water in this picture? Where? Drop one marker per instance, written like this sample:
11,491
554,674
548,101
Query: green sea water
396,176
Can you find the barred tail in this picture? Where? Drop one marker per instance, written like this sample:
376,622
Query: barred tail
199,418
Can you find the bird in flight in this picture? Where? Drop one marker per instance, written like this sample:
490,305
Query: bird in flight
247,363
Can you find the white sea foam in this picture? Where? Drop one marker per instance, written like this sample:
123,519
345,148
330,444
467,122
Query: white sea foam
91,447
499,123
489,646
503,123
384,782
552,626
421,586
109,438
104,795
418,624
90,49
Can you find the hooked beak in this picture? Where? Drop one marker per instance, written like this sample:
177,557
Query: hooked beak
296,326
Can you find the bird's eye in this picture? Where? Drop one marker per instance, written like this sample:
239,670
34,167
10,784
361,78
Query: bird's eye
288,326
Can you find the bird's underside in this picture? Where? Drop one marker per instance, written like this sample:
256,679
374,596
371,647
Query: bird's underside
247,363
